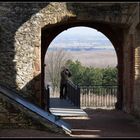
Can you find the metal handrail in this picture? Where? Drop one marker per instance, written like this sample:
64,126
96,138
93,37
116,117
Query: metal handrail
73,94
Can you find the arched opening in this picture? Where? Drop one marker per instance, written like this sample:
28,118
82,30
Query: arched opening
50,32
92,60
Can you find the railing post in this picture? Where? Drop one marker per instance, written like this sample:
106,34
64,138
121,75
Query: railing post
78,96
47,97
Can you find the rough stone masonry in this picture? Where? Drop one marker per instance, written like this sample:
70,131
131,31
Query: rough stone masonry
21,55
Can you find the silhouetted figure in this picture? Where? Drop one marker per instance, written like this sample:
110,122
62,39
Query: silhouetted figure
65,74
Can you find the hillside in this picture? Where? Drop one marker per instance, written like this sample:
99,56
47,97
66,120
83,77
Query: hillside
98,58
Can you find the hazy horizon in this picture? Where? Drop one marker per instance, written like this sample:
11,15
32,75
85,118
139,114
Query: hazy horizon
81,37
90,47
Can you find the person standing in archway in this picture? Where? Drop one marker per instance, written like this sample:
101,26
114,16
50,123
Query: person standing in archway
65,74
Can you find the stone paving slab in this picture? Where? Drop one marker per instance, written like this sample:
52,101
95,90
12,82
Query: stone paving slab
61,107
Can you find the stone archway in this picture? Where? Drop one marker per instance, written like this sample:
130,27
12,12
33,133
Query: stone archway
50,32
28,29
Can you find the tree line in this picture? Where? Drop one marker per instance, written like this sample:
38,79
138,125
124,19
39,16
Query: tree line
82,75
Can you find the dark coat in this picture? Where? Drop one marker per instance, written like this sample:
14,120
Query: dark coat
65,74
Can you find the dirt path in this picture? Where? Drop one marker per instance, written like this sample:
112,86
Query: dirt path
99,123
105,123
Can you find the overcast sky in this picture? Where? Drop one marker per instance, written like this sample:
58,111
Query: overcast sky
81,35
84,31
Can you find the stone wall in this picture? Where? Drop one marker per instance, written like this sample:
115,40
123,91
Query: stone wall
22,118
21,25
130,66
20,40
17,50
136,99
10,118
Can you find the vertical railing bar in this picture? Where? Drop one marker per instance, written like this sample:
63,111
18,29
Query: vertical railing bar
109,96
93,96
106,96
103,104
98,95
114,95
86,96
89,96
101,96
81,96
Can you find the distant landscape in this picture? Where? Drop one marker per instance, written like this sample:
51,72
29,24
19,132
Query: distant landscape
96,58
86,45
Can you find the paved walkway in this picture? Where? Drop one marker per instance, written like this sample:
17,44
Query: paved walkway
104,123
100,123
61,107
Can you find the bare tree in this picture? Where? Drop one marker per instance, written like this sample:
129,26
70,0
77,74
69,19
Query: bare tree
54,60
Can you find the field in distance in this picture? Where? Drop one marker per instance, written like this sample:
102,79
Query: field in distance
98,58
